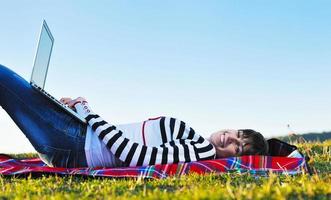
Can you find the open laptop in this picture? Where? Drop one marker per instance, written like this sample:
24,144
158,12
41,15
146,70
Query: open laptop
40,68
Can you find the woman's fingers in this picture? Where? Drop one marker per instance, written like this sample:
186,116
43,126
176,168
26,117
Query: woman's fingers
75,101
80,99
65,100
71,102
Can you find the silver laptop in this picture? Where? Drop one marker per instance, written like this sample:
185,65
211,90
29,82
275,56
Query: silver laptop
40,68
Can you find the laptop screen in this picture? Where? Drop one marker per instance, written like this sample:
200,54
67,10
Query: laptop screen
43,55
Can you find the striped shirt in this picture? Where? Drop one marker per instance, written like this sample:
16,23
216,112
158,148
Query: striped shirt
168,140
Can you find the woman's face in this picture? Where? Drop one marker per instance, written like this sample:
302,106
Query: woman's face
229,143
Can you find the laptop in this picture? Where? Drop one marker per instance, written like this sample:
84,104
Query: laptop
40,68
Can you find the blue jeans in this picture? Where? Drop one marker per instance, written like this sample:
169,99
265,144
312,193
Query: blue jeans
58,137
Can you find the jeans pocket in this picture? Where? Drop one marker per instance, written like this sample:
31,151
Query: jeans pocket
55,157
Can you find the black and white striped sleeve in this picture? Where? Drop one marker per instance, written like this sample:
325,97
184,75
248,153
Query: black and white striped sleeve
177,131
135,154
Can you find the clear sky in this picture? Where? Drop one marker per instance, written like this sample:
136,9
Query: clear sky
213,64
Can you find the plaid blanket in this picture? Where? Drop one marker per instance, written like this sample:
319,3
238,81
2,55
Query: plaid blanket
256,165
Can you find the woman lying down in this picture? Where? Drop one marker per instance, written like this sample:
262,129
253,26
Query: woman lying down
63,141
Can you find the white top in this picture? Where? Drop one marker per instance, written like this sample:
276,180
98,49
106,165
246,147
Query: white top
161,140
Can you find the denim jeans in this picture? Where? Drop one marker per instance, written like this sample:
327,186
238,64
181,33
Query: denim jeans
57,136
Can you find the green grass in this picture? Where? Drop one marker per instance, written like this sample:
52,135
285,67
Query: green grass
225,186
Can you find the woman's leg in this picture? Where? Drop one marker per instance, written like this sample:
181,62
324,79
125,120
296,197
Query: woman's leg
58,137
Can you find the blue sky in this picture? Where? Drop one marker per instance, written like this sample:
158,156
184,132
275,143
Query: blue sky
214,64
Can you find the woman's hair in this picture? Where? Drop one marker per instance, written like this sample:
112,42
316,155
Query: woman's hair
257,143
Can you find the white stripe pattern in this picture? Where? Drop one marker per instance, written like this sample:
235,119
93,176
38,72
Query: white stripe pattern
136,156
101,128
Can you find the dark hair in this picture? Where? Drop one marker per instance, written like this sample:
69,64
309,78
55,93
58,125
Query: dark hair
258,144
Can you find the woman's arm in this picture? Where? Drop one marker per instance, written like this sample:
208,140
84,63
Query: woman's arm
182,149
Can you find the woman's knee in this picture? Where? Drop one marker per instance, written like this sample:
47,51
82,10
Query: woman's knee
9,78
5,73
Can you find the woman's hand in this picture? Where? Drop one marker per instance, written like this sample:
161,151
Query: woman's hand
72,102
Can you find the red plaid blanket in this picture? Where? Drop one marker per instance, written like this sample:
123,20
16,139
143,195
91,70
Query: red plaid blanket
256,165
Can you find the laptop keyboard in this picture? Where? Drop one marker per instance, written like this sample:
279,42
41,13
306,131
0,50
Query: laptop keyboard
65,106
50,96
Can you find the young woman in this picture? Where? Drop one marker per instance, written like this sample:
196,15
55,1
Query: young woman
63,141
